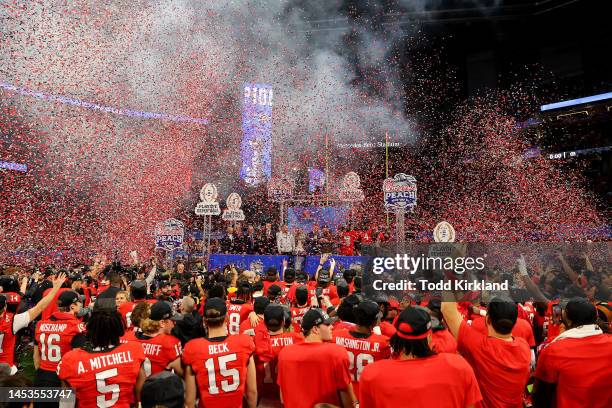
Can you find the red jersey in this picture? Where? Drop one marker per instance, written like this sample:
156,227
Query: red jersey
247,328
237,313
442,341
161,350
580,368
347,243
442,380
297,313
220,368
127,308
342,325
502,367
362,349
103,379
387,329
7,339
267,370
521,329
54,338
325,367
267,284
52,308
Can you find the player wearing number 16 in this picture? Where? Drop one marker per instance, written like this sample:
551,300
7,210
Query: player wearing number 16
104,373
11,323
56,336
220,366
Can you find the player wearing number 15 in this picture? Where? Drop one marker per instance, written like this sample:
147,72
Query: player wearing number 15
104,373
55,337
220,366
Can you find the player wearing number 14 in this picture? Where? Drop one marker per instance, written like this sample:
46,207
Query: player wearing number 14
220,366
56,336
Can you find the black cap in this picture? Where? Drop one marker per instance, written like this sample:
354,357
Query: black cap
164,283
244,288
274,290
215,304
434,304
580,312
324,276
302,276
413,323
67,298
502,312
260,303
76,277
274,315
289,274
105,305
161,310
271,271
368,309
163,389
315,317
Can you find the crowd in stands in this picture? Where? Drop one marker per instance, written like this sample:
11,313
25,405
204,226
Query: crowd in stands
264,239
121,335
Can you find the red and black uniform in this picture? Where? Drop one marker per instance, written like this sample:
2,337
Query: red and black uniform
237,312
267,366
362,349
581,370
10,324
220,368
323,367
127,308
161,350
297,313
103,378
502,367
55,337
442,380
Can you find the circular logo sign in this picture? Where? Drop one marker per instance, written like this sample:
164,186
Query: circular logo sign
444,232
208,193
351,181
233,202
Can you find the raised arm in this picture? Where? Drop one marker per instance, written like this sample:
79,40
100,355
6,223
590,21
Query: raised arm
321,263
452,317
46,301
531,287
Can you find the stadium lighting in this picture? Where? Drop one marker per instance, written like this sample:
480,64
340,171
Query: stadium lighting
574,102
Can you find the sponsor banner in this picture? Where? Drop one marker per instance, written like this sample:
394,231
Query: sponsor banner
263,262
305,217
169,235
400,193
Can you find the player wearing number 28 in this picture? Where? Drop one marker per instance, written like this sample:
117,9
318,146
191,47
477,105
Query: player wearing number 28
104,373
220,366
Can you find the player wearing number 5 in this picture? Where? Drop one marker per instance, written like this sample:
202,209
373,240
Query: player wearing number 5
11,323
104,373
220,366
56,336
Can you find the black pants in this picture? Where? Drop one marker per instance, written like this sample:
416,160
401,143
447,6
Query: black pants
46,379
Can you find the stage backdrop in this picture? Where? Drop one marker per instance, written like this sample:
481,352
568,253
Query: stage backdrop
305,217
263,262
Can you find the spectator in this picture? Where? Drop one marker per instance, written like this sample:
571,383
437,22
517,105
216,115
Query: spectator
324,364
574,370
500,361
326,241
228,243
429,379
313,245
251,241
190,325
268,243
285,241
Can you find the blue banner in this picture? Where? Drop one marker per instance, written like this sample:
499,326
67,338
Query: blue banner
263,262
305,217
256,148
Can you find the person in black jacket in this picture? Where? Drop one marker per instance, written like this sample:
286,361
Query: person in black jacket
190,326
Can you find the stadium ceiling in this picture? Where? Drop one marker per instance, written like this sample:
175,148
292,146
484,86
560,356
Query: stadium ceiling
449,11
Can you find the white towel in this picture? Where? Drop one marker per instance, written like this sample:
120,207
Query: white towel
580,332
